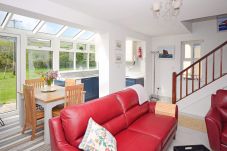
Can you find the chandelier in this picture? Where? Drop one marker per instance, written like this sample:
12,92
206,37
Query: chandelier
163,8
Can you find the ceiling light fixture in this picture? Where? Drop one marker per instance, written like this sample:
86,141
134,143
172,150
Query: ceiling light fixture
163,8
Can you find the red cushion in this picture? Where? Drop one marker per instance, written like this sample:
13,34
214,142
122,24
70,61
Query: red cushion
224,134
130,104
103,110
128,98
136,112
158,126
221,103
129,140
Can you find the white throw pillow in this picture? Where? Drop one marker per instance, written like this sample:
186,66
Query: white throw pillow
97,138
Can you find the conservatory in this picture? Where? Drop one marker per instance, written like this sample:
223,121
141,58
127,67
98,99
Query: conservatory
30,46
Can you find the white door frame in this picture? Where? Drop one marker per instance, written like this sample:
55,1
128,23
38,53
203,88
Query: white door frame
19,70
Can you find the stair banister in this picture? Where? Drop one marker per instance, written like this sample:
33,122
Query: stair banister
192,67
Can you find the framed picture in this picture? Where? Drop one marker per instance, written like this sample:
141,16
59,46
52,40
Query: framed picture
118,58
167,52
118,45
222,23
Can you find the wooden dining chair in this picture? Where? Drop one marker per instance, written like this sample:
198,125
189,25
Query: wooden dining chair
31,114
70,82
73,95
37,83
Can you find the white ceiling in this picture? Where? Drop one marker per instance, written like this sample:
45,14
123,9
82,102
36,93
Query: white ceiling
137,14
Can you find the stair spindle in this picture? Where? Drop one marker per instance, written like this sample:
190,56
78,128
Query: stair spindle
199,74
206,72
192,79
221,51
180,86
186,82
213,65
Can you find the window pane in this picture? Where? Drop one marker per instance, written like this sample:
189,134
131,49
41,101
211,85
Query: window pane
92,48
92,62
196,70
50,28
38,61
8,77
39,42
86,35
22,22
71,32
66,60
2,16
66,45
81,61
129,51
185,65
188,52
81,46
197,50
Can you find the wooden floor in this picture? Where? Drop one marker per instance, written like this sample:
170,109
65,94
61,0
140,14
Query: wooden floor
192,122
11,138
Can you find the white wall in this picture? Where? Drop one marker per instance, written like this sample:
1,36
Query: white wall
112,75
204,30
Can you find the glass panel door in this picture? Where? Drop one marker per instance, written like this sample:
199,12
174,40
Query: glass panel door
8,77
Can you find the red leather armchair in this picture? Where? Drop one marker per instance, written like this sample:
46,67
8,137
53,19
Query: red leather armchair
216,121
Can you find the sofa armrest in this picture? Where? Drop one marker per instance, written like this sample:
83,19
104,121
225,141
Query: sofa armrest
164,109
58,142
214,128
152,107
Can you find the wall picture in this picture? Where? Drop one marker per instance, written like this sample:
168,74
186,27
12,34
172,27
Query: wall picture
222,23
118,45
166,52
118,58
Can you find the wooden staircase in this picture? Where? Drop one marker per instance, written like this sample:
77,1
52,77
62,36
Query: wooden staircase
206,75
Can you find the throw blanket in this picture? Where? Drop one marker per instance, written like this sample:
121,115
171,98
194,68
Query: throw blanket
141,92
165,109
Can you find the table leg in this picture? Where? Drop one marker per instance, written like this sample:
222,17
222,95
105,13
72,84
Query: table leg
21,110
47,116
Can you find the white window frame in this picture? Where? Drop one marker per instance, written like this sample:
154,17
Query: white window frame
192,43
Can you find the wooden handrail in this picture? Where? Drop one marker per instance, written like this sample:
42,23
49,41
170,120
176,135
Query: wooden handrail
192,77
208,54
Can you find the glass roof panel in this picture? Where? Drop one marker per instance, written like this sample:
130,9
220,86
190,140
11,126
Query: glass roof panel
2,16
71,32
22,22
51,28
86,35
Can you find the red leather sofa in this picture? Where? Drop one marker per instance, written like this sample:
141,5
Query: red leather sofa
216,121
135,127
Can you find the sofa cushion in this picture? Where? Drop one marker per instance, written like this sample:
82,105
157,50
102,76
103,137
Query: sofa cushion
97,138
106,111
221,103
128,140
158,126
129,100
224,134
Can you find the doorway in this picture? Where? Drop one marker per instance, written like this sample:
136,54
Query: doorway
8,73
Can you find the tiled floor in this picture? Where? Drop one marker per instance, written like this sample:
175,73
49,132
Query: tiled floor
186,136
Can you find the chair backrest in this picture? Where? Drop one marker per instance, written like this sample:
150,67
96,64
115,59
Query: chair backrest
70,82
36,83
74,94
29,104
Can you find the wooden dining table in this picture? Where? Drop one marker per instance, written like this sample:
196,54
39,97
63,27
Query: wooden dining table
47,100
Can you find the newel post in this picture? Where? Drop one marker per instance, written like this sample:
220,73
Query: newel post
174,91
